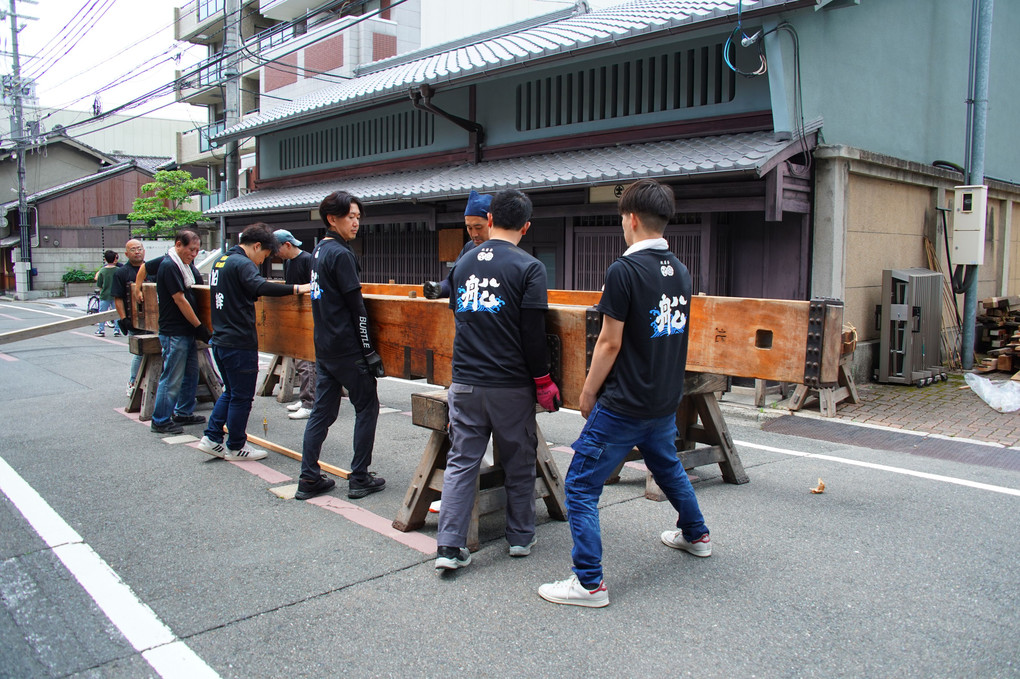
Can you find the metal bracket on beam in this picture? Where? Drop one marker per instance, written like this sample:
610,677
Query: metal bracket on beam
817,314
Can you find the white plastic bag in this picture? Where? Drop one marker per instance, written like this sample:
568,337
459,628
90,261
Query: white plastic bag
1002,396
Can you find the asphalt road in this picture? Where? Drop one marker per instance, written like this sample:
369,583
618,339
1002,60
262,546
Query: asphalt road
122,555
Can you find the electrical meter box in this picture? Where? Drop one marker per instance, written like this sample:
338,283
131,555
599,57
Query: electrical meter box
969,210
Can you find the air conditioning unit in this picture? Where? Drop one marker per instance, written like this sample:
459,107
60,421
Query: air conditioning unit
909,321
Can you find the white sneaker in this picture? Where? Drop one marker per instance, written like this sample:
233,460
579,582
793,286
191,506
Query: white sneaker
300,414
207,445
246,452
573,593
130,388
434,507
523,550
701,547
293,406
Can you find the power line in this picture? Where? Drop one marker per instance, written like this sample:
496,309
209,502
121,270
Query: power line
170,87
73,39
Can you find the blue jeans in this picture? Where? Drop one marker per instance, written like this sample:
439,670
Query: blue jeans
104,305
604,442
175,394
239,369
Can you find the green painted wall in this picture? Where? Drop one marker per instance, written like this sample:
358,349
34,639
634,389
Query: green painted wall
890,76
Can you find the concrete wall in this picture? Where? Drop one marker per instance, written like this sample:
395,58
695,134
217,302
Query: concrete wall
53,262
872,213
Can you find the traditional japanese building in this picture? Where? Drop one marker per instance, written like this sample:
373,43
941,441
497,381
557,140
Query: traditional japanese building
799,136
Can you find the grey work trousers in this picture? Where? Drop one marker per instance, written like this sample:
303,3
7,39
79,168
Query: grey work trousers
508,415
305,371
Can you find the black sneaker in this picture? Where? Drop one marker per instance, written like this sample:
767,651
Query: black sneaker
189,419
452,558
366,486
306,490
170,427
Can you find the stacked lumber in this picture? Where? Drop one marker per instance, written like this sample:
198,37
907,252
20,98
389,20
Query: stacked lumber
999,328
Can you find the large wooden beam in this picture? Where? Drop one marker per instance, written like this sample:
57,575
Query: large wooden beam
58,326
780,340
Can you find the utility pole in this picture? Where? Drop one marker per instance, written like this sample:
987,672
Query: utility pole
22,268
981,49
231,100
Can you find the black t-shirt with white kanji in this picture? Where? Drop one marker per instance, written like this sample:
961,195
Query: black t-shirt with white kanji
650,291
298,271
234,285
170,281
335,273
490,285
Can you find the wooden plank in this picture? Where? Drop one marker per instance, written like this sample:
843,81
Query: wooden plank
293,454
59,326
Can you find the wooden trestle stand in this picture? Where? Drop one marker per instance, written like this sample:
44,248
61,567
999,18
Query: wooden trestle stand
430,410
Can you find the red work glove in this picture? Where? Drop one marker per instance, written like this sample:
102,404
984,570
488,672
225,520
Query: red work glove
547,393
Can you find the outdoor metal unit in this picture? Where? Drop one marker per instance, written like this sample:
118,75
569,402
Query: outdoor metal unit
910,322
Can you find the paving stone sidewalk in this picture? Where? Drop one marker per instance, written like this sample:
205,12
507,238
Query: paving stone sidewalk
946,408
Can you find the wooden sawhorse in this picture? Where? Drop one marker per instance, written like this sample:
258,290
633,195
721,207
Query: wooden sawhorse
431,411
829,397
699,402
281,370
142,399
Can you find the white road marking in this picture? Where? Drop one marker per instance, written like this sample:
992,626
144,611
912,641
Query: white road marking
167,654
38,311
885,468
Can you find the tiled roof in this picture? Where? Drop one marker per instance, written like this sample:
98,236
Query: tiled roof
640,17
747,152
104,173
148,163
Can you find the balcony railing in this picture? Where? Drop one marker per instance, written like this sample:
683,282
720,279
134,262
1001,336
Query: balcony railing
211,73
210,201
206,133
208,8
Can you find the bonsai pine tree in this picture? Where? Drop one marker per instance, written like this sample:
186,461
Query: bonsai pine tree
160,205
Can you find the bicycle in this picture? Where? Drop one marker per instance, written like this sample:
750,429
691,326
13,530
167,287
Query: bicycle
92,307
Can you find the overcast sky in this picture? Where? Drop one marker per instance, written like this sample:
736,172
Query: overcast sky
107,52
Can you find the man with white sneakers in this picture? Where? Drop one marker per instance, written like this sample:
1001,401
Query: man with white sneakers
632,391
234,285
297,270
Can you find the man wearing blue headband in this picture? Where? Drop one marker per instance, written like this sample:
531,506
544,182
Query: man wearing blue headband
476,221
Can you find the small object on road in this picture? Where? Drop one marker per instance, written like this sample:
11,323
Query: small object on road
265,426
820,488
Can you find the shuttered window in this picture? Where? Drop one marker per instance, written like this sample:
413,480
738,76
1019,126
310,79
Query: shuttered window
669,81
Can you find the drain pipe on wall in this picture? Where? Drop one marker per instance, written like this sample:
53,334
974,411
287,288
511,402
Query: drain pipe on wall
421,99
981,48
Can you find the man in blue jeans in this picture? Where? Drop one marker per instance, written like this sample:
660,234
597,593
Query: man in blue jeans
179,328
234,285
632,391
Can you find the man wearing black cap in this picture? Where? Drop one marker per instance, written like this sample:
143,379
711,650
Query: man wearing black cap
476,221
297,270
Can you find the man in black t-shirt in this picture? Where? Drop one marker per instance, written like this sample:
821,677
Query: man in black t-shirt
297,270
632,391
476,222
134,251
234,285
344,355
500,367
179,330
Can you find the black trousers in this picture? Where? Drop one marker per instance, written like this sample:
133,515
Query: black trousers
333,374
